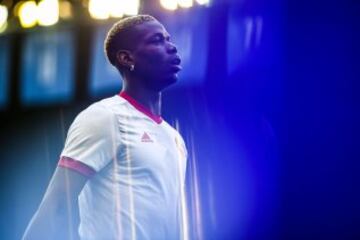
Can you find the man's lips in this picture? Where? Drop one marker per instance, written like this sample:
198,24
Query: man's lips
175,64
175,68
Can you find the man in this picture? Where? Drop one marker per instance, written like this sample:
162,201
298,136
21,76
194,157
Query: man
123,167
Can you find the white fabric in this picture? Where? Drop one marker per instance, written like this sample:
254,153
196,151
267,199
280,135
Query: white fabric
136,191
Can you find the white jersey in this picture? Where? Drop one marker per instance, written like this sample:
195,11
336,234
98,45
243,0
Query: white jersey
137,166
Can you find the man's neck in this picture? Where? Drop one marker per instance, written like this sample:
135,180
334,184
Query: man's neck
149,99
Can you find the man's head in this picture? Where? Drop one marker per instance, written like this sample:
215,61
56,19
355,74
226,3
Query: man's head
140,48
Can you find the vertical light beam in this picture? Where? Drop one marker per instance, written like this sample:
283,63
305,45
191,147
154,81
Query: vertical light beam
116,192
181,174
196,193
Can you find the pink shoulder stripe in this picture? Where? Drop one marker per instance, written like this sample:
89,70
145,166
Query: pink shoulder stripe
78,166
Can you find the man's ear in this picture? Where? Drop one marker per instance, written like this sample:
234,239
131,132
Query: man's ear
124,58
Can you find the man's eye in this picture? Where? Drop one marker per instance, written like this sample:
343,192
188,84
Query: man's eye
158,39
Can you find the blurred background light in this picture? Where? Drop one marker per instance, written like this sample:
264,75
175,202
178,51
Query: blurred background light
104,9
17,8
116,8
65,10
130,7
48,12
3,27
174,4
203,2
169,4
185,3
27,13
3,18
3,14
98,9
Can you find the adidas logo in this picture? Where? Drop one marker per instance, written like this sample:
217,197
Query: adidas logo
146,138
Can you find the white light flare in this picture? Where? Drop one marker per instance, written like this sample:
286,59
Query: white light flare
185,3
48,12
28,14
203,2
99,9
169,4
116,8
131,7
104,9
3,18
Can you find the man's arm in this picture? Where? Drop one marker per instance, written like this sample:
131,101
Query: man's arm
57,215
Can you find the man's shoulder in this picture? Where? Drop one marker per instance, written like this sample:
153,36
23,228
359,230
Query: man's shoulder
97,119
173,129
106,106
98,112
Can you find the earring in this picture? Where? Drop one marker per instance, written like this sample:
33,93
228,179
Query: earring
132,66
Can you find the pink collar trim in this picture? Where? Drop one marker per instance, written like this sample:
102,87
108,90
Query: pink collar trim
140,107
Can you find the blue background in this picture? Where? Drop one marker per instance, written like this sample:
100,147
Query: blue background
4,73
47,74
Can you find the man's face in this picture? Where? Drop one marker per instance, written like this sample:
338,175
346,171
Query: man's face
155,56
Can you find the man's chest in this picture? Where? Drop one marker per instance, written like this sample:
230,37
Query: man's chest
149,147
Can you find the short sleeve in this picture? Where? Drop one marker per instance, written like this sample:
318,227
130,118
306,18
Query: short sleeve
91,141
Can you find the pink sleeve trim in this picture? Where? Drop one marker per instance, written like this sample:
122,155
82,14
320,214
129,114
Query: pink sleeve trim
78,166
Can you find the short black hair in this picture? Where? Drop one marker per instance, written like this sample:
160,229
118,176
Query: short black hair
113,41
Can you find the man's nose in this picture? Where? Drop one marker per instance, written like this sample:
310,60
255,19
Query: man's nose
172,48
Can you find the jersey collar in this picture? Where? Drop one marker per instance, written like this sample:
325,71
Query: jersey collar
140,107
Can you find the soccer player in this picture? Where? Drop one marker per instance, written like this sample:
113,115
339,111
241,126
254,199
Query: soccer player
122,169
